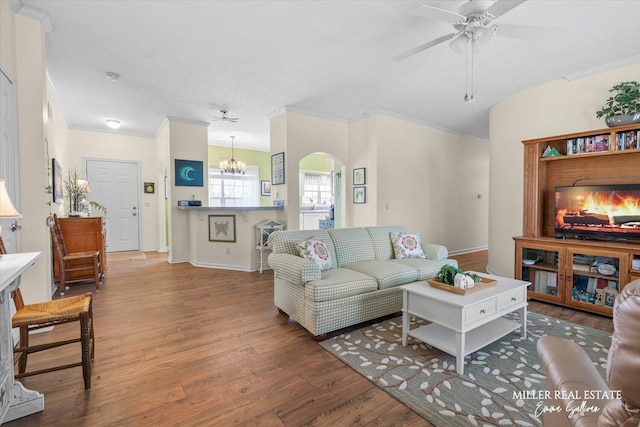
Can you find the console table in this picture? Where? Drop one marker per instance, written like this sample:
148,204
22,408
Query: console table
17,401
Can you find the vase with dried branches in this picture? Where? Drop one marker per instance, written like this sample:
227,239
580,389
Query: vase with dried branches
77,187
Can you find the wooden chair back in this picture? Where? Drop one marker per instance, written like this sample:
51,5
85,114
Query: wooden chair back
3,250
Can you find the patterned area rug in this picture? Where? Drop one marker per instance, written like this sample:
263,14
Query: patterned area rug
490,390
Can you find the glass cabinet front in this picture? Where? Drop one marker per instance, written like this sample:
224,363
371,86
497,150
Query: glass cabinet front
595,279
540,267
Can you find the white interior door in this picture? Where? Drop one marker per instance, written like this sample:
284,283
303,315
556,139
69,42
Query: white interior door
115,185
9,155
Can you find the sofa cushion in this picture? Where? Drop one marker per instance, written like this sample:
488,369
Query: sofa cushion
386,273
339,283
406,245
286,242
382,241
315,250
352,245
425,268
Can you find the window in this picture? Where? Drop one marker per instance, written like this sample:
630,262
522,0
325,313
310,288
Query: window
234,190
316,189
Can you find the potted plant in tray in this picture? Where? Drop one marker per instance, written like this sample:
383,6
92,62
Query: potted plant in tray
623,108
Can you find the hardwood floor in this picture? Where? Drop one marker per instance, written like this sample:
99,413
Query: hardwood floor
178,345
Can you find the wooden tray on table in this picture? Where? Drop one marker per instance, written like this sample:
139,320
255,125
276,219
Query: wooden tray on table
483,284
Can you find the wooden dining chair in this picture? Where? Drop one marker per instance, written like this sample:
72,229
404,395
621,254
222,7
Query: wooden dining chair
29,317
72,265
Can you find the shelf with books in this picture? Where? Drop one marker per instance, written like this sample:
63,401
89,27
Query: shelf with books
599,142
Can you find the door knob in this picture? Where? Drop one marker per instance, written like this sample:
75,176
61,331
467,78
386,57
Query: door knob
134,214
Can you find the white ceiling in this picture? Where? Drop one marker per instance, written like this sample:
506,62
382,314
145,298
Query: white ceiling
188,59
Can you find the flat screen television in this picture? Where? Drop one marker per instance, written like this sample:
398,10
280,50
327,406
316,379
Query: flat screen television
609,212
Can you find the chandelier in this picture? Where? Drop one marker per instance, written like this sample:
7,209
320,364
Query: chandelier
232,165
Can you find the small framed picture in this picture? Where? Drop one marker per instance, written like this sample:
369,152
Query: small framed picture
222,228
359,194
360,176
58,196
265,188
149,187
277,169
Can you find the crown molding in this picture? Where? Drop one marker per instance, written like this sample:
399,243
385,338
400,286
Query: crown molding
297,110
600,68
33,13
413,120
188,121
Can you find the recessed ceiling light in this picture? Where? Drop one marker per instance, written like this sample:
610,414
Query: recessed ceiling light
112,77
113,124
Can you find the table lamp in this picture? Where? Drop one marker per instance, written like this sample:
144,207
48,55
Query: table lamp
7,210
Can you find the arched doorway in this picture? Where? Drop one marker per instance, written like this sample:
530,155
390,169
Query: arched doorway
320,192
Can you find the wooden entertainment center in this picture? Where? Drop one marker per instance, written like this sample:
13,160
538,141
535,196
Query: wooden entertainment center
582,274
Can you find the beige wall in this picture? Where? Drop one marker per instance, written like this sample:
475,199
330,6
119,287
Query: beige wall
187,141
429,181
83,145
553,108
163,158
298,136
7,38
32,96
425,179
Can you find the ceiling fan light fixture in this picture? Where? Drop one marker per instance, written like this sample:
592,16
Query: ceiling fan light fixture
113,124
459,43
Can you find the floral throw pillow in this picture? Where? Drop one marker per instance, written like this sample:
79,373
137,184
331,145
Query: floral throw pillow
315,250
407,245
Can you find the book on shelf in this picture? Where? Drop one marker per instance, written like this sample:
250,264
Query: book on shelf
627,140
601,143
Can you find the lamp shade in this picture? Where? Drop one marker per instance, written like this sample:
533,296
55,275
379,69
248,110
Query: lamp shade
83,186
7,210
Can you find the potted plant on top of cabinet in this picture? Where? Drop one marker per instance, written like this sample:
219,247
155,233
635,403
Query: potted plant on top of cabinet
623,108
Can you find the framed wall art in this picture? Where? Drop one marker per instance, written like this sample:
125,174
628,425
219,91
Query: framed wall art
359,194
58,196
265,188
277,169
360,176
189,173
149,187
222,228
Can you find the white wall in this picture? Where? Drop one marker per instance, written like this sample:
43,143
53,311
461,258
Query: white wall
554,108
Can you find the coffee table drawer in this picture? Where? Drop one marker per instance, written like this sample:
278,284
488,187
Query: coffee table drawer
508,299
480,310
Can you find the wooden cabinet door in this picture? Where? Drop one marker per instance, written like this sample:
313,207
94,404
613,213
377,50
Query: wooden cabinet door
594,278
542,265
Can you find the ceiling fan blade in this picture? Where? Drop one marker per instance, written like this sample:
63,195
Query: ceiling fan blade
501,7
425,46
431,12
527,32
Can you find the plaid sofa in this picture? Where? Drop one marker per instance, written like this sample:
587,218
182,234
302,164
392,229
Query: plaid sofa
362,283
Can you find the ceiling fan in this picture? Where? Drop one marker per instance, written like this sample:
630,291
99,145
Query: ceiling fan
225,118
474,24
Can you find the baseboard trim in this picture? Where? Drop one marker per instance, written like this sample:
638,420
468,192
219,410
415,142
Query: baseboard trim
469,250
223,266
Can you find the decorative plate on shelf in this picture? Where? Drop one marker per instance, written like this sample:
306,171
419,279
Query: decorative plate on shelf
607,269
530,261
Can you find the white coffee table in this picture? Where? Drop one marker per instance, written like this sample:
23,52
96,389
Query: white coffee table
462,324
